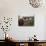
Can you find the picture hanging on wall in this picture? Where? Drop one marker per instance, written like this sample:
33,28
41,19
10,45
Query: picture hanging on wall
25,20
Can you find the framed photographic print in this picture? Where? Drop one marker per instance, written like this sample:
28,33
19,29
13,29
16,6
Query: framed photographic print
25,20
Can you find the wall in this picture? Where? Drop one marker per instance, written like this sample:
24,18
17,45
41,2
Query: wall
14,8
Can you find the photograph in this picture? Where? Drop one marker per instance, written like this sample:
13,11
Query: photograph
26,20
